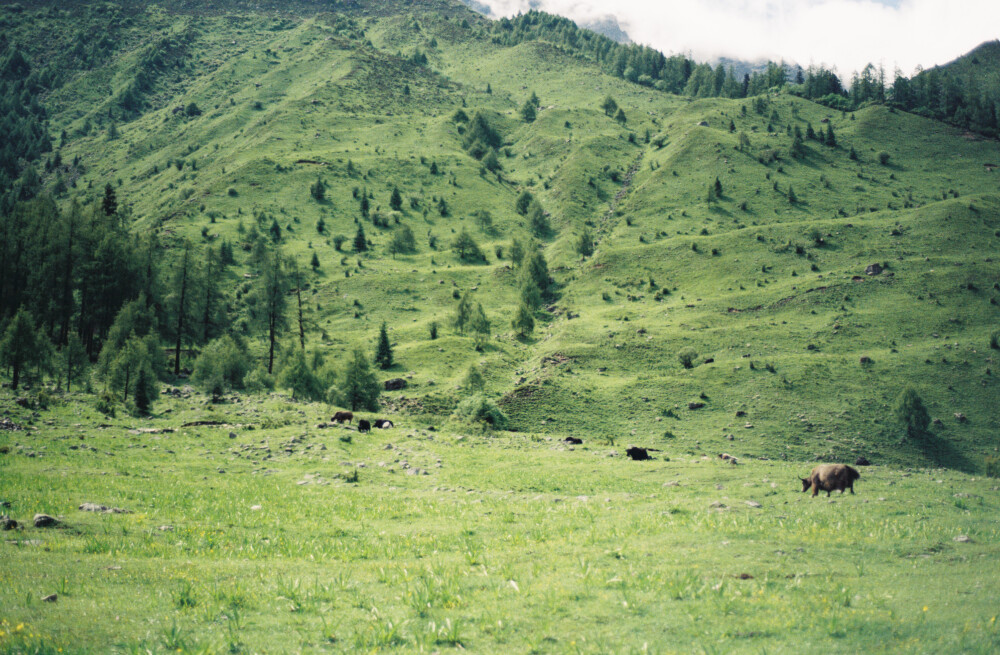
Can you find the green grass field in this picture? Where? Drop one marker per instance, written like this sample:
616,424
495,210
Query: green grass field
291,538
267,542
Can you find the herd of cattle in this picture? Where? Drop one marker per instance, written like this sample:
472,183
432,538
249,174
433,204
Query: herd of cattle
364,425
825,477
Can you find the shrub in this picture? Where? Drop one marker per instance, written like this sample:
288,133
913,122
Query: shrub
479,409
995,341
221,366
911,413
992,466
883,158
259,381
686,356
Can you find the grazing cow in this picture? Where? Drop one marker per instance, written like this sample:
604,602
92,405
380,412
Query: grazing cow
828,477
640,454
383,423
341,417
573,441
364,426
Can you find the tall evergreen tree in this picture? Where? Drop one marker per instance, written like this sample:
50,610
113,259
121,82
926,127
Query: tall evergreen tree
269,299
181,289
360,241
359,388
110,202
524,321
22,346
383,349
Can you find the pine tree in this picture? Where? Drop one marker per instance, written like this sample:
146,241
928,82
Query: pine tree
181,297
110,202
523,203
22,346
463,313
396,200
911,412
609,106
480,326
315,262
275,230
523,321
269,300
360,241
474,382
528,112
585,244
143,399
466,247
538,221
318,190
383,350
620,117
321,225
831,140
360,388
74,357
297,376
718,188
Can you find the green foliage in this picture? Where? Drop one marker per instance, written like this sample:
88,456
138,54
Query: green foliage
910,412
318,191
523,203
22,346
585,243
473,382
524,321
686,356
358,388
383,349
132,368
479,410
466,247
360,240
396,200
297,376
609,106
528,111
480,326
403,241
883,158
538,221
259,381
221,366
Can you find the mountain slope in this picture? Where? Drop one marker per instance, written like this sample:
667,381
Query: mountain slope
225,118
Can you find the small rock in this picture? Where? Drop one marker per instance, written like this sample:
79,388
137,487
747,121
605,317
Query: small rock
103,509
7,523
166,528
51,598
718,505
862,461
232,435
753,503
962,539
45,521
695,405
873,269
256,508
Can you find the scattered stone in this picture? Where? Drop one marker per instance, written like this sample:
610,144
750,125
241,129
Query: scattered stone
743,576
256,508
718,505
695,405
7,523
232,435
961,417
45,521
166,528
862,461
753,503
962,539
865,359
103,509
51,598
873,269
573,440
395,384
8,425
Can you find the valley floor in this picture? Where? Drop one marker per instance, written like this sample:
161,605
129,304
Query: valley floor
265,533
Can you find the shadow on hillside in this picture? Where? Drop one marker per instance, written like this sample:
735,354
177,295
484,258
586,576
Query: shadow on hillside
943,453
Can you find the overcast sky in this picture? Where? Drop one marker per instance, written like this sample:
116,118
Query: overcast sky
846,34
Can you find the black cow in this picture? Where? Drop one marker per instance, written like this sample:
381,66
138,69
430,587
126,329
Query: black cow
383,423
364,426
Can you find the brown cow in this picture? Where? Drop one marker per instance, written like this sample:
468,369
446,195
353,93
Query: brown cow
340,417
828,477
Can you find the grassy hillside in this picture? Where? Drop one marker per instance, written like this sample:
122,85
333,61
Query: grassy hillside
773,290
715,229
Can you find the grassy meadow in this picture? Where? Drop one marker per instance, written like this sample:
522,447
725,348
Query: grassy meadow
263,533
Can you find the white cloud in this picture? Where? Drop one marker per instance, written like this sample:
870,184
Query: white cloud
846,34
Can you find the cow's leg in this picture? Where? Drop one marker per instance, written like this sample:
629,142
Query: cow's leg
815,489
